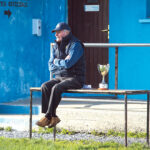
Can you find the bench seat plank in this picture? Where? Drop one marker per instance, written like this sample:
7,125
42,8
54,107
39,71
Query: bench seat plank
98,91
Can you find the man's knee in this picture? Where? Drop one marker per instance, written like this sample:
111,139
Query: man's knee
57,88
43,86
48,85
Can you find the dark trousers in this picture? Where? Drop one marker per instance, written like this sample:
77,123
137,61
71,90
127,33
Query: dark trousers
52,90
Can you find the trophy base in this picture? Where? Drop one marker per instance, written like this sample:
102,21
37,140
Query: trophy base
103,86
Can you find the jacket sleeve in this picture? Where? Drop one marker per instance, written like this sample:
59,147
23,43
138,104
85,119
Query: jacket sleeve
75,52
51,65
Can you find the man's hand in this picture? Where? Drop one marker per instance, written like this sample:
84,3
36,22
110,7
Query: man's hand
54,61
68,57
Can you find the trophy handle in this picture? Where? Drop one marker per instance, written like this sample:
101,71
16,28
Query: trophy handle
98,67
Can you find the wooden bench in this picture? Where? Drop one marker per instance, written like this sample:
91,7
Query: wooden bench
96,91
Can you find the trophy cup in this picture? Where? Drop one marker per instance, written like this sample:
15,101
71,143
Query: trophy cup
103,69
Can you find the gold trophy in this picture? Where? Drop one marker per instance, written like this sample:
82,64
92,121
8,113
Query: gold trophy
103,70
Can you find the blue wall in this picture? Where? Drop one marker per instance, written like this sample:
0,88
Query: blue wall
23,56
126,27
54,12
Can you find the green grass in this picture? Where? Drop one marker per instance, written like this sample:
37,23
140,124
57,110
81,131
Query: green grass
43,130
65,131
41,144
1,128
50,130
108,133
120,133
6,128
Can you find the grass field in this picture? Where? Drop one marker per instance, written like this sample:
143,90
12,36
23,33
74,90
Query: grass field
41,144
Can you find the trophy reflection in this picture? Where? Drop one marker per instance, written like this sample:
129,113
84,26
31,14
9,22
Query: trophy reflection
103,70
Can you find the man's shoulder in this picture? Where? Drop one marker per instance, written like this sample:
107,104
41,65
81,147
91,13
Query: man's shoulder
76,41
55,45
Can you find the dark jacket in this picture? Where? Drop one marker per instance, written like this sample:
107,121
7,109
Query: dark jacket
72,67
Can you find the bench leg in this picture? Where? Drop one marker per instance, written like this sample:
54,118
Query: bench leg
125,99
148,118
30,121
54,133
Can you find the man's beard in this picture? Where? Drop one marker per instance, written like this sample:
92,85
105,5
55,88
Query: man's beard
58,39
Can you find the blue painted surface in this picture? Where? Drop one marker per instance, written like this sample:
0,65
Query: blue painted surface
20,51
87,95
23,56
12,109
125,27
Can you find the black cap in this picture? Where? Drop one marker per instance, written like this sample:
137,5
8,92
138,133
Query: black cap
61,26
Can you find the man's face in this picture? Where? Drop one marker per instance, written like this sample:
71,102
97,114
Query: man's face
59,35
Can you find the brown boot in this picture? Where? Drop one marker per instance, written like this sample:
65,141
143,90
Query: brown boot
43,122
53,122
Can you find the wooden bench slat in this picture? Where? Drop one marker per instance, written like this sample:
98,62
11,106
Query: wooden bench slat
98,91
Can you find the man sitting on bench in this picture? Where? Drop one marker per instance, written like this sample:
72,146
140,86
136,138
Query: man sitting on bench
68,66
